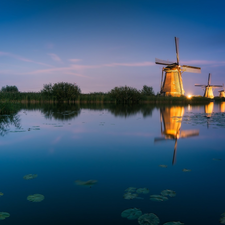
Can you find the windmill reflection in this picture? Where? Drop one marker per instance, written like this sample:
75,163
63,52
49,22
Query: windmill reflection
209,111
171,119
222,107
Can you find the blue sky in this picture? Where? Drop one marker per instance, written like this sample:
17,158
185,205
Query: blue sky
102,44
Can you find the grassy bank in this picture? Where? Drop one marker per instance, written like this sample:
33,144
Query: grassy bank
23,97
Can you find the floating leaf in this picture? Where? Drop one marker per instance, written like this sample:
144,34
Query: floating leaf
88,183
222,220
129,196
158,198
169,193
30,176
35,198
217,159
131,214
4,215
131,189
148,219
174,223
186,170
1,194
142,190
163,166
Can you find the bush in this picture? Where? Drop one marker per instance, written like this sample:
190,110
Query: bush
125,94
9,89
148,91
62,91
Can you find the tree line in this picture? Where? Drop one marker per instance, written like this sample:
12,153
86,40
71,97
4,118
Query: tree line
63,91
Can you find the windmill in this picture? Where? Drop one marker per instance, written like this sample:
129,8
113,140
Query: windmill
171,81
172,127
222,93
208,88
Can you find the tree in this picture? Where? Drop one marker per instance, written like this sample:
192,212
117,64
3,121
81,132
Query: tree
9,89
125,94
147,91
61,91
47,90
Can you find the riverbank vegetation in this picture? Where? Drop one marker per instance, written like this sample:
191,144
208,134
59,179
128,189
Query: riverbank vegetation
67,92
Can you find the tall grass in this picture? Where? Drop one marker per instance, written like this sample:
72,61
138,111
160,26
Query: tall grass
124,98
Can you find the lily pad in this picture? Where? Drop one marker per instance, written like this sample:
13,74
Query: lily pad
1,194
4,215
30,176
169,193
131,214
148,219
35,198
129,196
186,170
174,223
217,159
158,198
222,220
142,190
163,166
131,189
88,183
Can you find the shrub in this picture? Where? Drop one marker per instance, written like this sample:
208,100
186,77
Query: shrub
9,89
125,94
61,91
148,91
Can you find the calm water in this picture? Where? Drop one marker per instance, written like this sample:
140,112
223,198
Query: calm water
120,147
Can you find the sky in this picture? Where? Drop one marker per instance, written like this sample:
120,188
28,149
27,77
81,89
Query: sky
101,44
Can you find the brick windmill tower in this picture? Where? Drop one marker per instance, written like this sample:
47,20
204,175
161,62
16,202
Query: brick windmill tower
171,81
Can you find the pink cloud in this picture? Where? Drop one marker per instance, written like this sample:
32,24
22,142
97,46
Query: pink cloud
203,62
131,64
55,57
74,60
21,58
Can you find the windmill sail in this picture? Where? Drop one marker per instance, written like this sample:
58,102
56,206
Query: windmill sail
190,69
163,62
177,49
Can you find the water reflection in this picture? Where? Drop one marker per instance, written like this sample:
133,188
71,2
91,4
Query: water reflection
222,107
122,110
8,120
171,119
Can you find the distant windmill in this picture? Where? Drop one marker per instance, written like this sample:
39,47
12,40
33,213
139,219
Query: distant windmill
208,88
172,127
171,82
222,93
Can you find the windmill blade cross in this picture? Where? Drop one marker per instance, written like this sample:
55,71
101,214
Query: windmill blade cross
163,62
189,133
162,139
177,49
209,79
200,85
215,86
191,69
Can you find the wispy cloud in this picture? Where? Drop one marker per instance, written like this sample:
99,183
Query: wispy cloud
74,60
21,58
203,62
130,64
77,67
55,57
